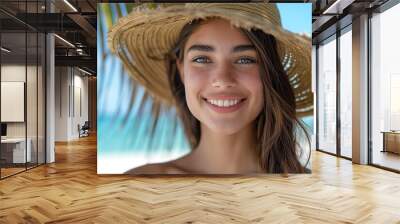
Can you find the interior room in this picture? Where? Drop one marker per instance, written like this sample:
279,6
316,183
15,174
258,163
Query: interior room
385,74
50,94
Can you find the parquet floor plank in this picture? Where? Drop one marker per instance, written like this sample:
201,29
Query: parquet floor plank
70,191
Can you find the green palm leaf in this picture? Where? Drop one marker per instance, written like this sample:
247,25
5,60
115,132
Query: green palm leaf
137,111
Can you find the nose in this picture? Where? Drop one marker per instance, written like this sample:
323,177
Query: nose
223,77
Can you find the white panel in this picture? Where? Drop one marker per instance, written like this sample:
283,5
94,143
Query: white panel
395,102
19,151
77,102
76,120
12,101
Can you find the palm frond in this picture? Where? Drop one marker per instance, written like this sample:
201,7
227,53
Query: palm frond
139,122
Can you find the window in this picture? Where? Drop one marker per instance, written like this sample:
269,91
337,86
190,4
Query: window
346,92
385,88
327,95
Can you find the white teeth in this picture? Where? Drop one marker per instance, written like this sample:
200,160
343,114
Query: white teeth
224,103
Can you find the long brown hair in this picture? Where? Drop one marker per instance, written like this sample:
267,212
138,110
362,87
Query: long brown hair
276,125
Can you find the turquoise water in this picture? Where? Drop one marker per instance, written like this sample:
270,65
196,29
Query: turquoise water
123,127
309,122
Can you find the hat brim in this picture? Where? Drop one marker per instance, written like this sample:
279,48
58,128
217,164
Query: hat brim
143,39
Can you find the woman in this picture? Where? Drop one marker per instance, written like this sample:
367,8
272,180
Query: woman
227,80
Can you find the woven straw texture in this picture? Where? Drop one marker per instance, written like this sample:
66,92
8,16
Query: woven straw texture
144,38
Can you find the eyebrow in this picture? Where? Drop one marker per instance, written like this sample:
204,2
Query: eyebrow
245,47
208,48
201,47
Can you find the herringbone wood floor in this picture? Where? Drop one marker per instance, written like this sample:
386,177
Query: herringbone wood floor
70,191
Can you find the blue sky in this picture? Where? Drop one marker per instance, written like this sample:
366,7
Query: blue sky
296,17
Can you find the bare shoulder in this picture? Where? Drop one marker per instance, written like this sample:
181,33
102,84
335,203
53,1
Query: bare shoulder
157,168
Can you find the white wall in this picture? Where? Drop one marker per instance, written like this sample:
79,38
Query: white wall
33,126
71,87
13,72
61,103
80,110
12,101
16,73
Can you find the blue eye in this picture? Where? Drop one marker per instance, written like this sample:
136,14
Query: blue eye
201,60
246,61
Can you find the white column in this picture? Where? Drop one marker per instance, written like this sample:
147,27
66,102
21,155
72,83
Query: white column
50,93
50,99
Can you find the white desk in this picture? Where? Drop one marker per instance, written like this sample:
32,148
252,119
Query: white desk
18,149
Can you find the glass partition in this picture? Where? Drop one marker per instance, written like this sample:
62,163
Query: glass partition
327,95
13,108
385,89
41,91
22,88
346,92
31,99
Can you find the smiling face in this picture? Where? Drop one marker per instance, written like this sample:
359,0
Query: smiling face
221,76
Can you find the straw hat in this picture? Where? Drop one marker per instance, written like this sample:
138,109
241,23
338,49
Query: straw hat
143,38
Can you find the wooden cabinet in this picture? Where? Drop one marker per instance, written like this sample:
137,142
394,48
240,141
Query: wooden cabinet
391,142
